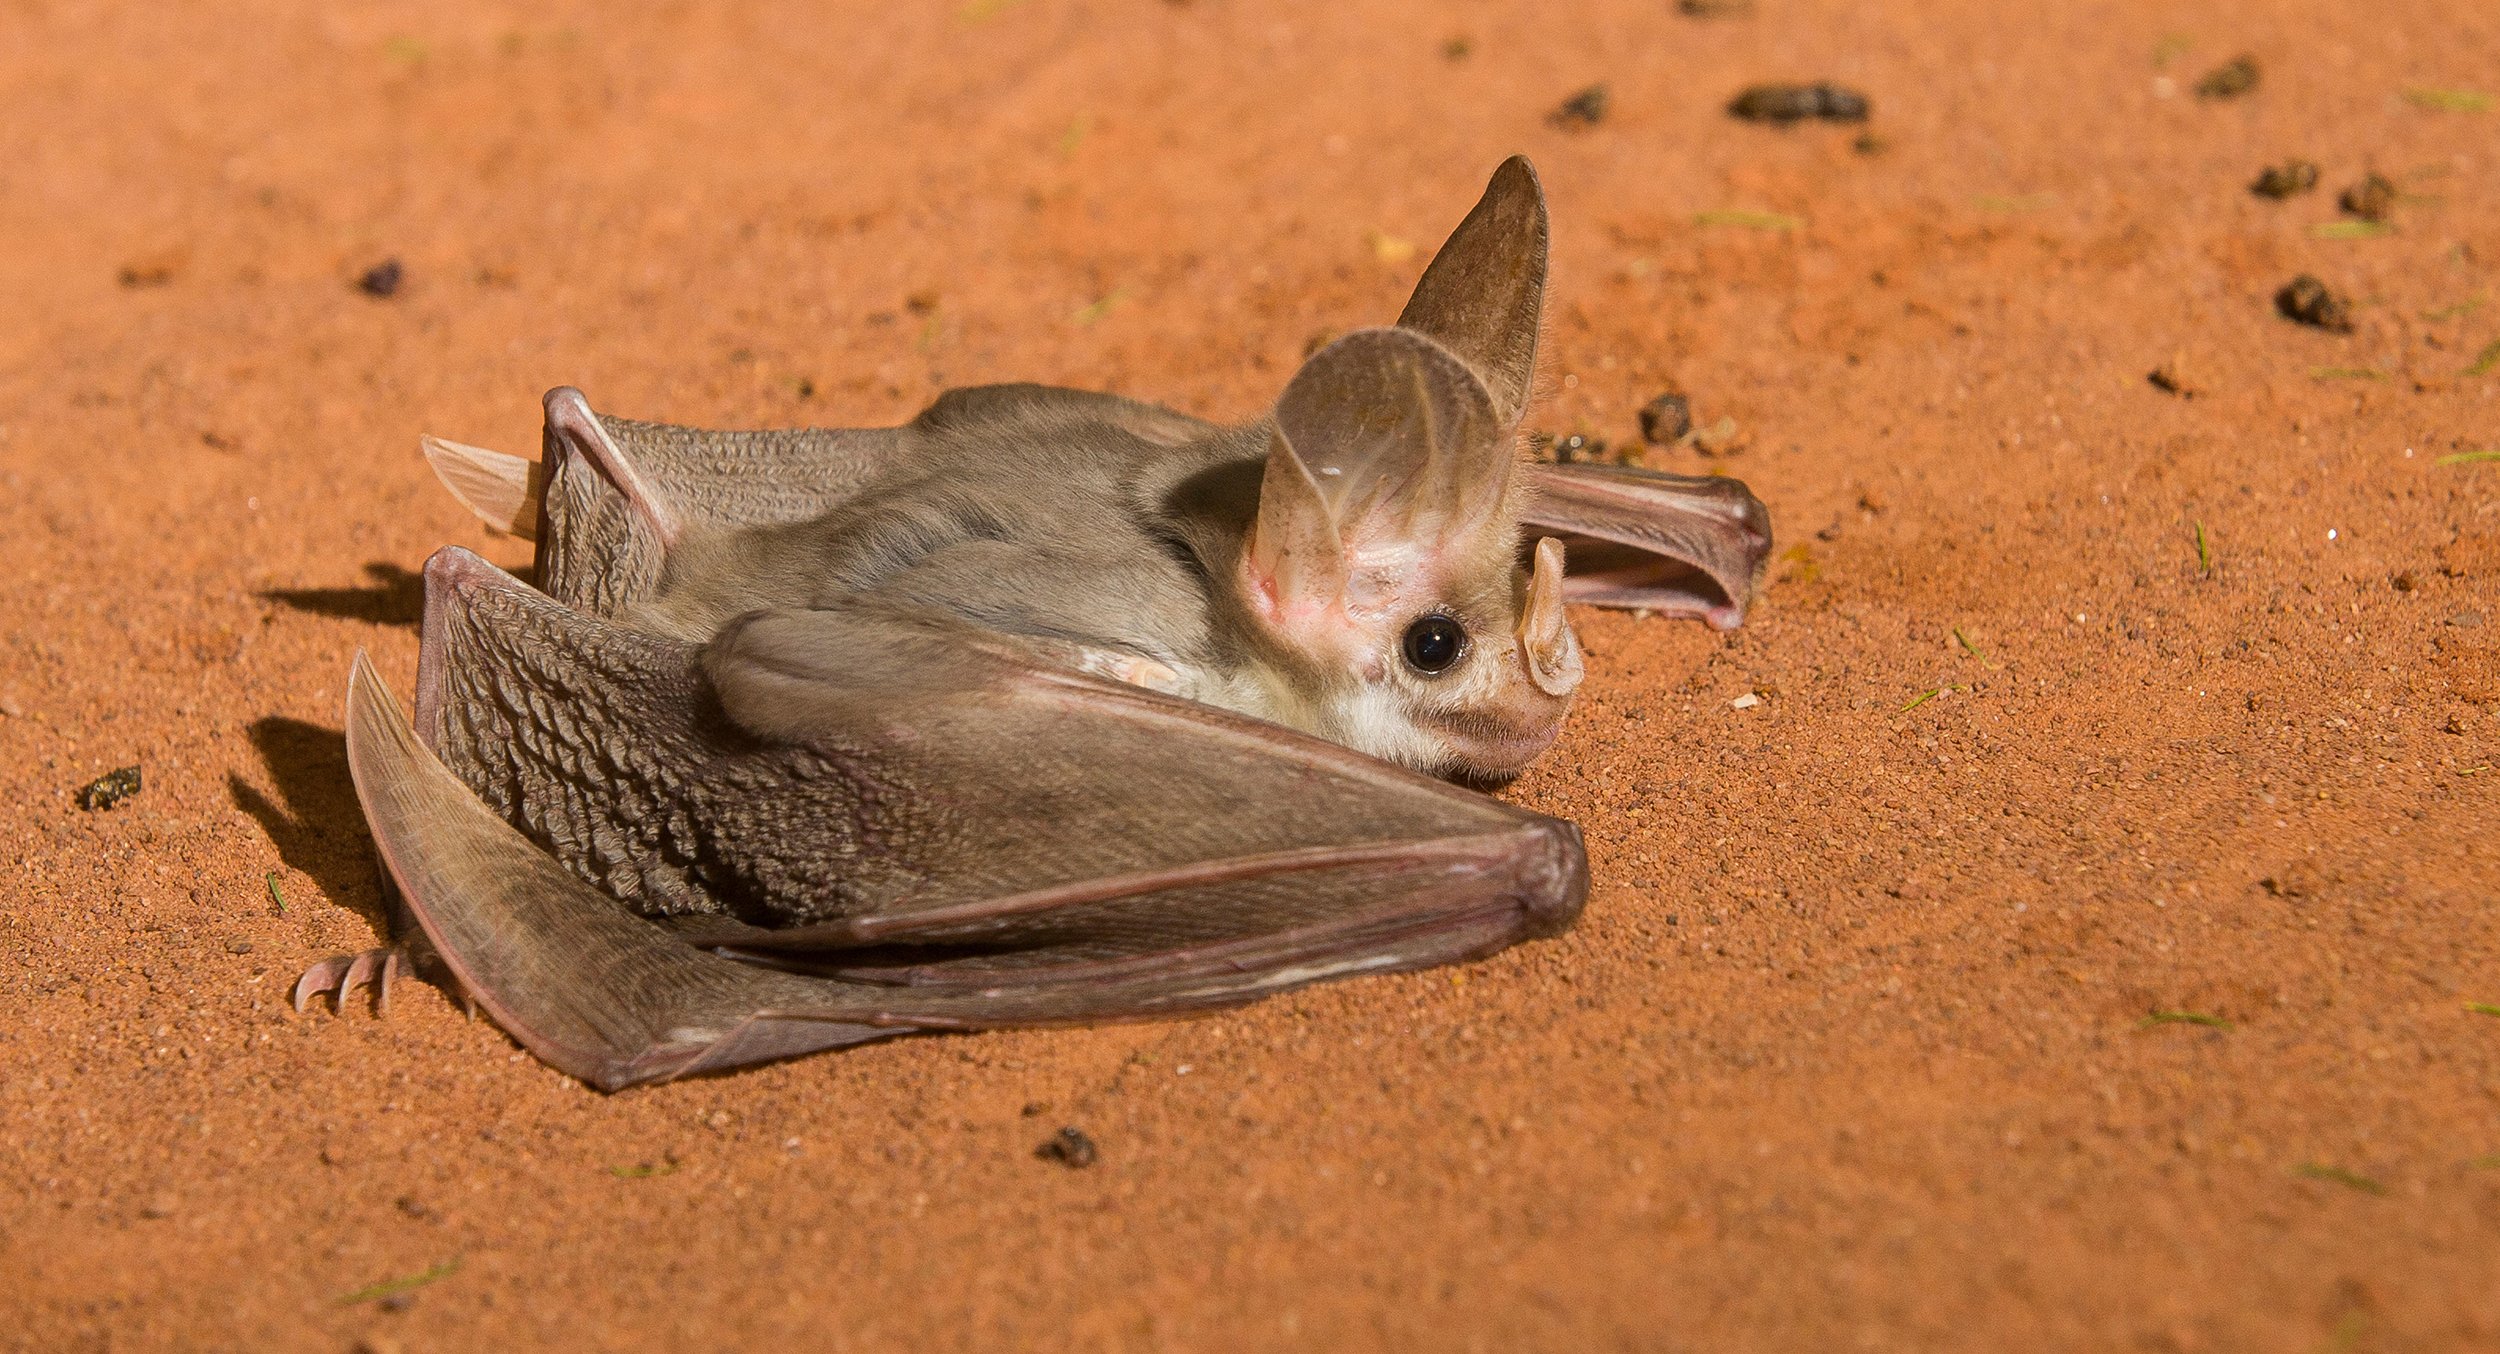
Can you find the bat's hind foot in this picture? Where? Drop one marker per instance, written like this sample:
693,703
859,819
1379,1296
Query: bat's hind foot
341,975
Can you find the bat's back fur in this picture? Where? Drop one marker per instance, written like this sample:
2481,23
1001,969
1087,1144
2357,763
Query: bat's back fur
1057,515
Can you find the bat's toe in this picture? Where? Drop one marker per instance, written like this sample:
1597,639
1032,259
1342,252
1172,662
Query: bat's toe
340,975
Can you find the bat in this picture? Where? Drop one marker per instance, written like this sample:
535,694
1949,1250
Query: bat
1045,707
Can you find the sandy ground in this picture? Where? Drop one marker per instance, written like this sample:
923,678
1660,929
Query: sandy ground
1851,1049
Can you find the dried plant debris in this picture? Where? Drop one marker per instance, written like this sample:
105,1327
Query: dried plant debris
2230,80
1581,111
1784,104
2288,179
1070,1147
1719,439
1666,418
1580,447
2449,100
151,272
382,279
109,789
2307,300
2371,199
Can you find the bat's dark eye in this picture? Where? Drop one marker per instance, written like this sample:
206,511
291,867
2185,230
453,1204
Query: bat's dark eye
1433,642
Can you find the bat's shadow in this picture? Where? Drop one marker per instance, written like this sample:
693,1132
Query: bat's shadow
396,596
315,821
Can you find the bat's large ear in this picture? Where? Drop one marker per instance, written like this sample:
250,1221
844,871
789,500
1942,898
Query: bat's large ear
1485,290
1387,453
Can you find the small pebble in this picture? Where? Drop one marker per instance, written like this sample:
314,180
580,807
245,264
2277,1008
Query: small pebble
1581,111
1714,9
2288,179
1666,418
1784,104
2371,199
382,279
109,789
2167,379
2229,80
2306,300
1070,1148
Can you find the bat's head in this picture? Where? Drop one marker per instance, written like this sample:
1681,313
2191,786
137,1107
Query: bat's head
1386,564
1386,558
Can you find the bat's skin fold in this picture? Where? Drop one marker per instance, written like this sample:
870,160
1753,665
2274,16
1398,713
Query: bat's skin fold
1041,708
1171,858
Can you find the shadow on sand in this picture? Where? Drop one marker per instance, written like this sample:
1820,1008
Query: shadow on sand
395,597
315,822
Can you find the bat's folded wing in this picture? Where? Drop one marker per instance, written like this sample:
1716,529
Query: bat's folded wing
899,825
614,494
1684,545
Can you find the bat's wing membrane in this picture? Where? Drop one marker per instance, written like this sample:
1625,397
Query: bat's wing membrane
1682,545
615,494
915,829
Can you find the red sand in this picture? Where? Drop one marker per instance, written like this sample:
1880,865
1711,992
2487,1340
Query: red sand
1848,1050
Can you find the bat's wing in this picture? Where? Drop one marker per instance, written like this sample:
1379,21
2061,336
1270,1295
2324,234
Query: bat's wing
1684,545
920,830
616,493
610,495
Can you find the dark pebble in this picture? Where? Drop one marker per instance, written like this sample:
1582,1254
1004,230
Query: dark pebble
1665,419
2229,80
1795,103
109,789
382,279
1581,111
2288,179
1070,1148
2307,300
2371,199
1714,9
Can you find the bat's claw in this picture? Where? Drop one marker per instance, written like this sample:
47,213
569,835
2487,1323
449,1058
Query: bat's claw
342,974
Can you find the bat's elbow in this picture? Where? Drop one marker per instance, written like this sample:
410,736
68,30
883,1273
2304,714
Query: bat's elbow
1550,876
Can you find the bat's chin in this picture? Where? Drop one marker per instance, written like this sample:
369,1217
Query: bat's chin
1491,758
